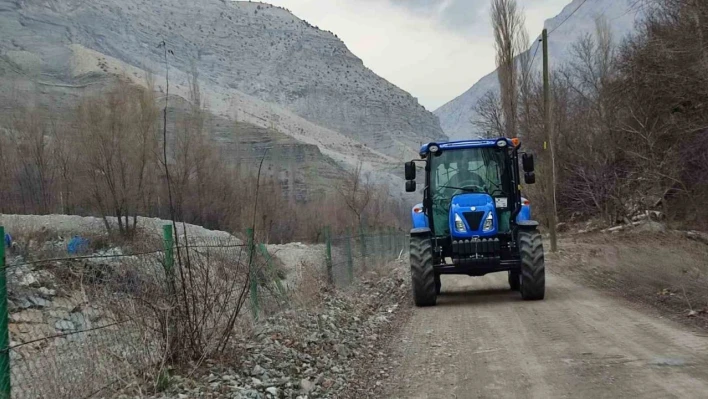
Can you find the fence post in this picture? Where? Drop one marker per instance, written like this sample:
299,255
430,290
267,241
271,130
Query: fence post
169,253
168,242
397,240
362,242
328,255
391,242
252,275
350,260
4,333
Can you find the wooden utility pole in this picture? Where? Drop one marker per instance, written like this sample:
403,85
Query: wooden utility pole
548,146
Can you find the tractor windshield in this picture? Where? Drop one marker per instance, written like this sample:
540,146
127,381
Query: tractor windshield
470,170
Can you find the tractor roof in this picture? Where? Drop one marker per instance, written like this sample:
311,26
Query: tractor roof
463,144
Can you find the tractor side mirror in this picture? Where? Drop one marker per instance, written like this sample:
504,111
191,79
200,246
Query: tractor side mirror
530,178
527,161
410,186
410,170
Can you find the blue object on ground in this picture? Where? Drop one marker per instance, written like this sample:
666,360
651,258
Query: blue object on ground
8,240
77,245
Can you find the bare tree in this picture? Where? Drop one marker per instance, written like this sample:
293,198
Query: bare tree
356,192
490,115
65,158
509,41
34,169
118,139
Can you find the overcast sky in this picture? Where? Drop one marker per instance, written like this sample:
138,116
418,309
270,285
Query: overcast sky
434,49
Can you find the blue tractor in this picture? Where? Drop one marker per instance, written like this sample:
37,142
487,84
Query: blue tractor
473,219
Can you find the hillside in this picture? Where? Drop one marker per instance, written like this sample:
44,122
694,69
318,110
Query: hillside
457,115
257,64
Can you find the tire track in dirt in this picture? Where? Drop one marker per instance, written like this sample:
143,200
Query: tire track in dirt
482,341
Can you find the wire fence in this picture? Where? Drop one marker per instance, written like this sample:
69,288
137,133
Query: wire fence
354,253
91,323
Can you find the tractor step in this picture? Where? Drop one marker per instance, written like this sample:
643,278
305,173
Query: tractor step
479,268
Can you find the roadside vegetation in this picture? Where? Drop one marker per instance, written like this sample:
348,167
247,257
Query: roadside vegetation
630,130
107,158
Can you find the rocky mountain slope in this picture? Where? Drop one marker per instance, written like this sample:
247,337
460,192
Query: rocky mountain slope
257,64
457,116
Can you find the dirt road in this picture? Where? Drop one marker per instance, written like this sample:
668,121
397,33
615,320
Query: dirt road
482,341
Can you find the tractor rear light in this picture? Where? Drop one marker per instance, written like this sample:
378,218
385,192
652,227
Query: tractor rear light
488,223
418,210
524,201
459,225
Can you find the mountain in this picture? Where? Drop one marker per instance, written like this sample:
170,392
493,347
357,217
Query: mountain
457,115
257,64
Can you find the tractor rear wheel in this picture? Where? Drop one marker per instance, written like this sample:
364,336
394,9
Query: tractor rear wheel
422,272
533,269
514,281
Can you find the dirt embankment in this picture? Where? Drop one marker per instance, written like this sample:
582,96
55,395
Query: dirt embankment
668,272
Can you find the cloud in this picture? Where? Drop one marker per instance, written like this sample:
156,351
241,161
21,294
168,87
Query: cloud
433,49
465,17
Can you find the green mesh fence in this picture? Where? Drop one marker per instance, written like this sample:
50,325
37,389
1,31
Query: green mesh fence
95,323
355,253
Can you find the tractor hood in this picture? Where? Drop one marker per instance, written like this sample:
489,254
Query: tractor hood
473,215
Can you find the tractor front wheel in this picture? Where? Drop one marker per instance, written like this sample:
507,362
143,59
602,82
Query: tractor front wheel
533,269
422,272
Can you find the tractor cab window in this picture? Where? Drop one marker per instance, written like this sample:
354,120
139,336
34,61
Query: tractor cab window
472,170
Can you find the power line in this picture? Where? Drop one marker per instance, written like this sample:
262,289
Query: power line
549,33
568,17
533,58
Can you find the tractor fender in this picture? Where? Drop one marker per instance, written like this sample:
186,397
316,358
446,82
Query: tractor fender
420,219
420,231
527,224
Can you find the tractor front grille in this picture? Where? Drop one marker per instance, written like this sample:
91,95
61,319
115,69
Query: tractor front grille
473,219
476,246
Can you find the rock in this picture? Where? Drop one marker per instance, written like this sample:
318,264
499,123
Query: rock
342,350
256,382
650,226
27,316
306,385
66,302
272,390
59,313
29,280
258,370
64,325
80,321
47,292
38,302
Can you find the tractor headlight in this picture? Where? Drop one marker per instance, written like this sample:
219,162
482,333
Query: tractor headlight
502,143
459,225
488,223
434,148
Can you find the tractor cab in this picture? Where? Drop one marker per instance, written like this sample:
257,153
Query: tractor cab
472,217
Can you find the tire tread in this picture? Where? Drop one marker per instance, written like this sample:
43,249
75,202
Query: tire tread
422,272
533,269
